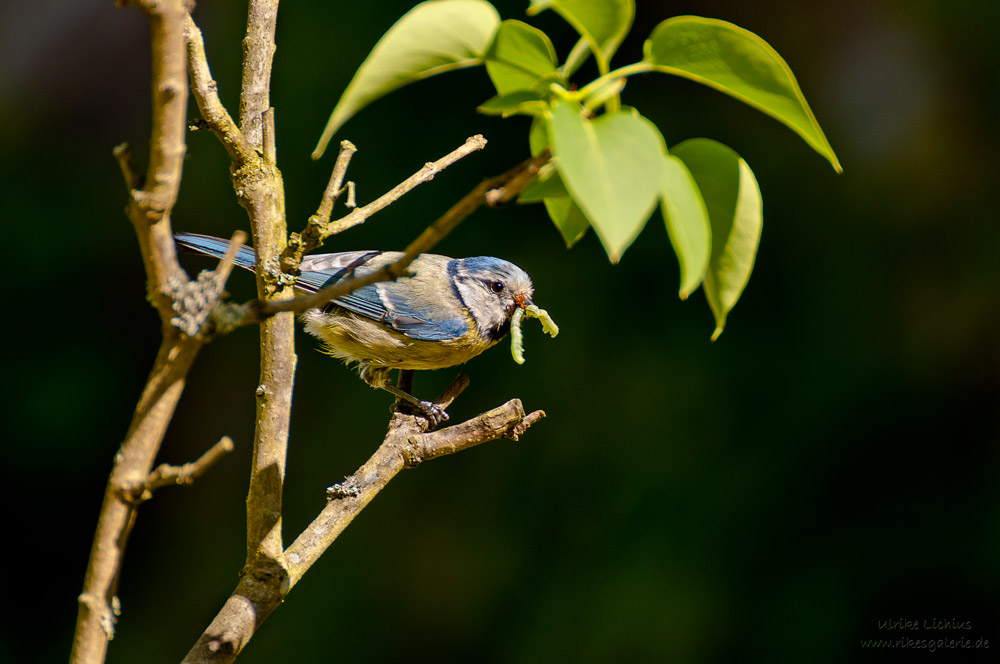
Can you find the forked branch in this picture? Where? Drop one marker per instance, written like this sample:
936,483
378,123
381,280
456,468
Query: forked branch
405,445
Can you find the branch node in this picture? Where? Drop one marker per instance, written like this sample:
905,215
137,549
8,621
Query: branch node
349,488
123,153
108,612
169,90
195,301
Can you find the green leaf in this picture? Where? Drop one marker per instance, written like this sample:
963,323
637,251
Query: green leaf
519,57
687,223
732,198
603,23
519,102
741,64
568,218
538,137
432,38
577,56
548,184
548,187
612,167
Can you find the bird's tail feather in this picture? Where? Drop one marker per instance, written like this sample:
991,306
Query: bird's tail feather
217,247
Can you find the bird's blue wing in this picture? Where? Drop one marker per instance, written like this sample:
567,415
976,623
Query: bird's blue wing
403,305
217,247
412,314
323,270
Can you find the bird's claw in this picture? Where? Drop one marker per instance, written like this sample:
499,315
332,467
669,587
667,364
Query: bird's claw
435,414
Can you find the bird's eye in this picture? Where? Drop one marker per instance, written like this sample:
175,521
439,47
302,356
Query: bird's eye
497,287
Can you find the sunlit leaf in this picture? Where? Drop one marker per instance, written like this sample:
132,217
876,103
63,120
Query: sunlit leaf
548,187
548,184
577,56
603,23
519,102
538,136
519,57
568,218
434,37
687,223
741,64
612,167
733,201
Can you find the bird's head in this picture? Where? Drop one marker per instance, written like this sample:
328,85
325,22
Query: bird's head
491,289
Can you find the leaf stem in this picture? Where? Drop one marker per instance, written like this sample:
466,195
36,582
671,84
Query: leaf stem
621,72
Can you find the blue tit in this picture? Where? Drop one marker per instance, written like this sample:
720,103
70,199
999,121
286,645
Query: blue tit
449,311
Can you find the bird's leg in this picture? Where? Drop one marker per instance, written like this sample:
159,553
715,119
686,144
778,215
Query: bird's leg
435,414
379,377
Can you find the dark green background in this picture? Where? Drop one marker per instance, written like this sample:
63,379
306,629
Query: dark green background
829,463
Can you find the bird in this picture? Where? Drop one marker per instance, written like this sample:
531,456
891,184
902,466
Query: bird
446,313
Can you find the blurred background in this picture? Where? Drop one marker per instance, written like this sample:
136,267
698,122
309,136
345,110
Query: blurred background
829,464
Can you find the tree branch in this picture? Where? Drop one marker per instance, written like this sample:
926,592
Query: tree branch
334,188
206,93
123,154
260,189
506,421
166,475
149,210
258,54
425,174
404,446
312,236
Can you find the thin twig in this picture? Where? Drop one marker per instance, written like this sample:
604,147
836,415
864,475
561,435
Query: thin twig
206,93
311,236
123,154
509,191
512,182
425,174
335,187
228,261
166,474
452,392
